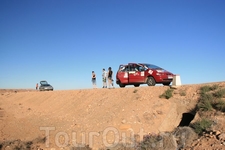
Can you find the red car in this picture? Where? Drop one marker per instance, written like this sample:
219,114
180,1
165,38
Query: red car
142,73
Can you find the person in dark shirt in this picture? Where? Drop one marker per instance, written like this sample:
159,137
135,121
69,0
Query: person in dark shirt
110,78
93,79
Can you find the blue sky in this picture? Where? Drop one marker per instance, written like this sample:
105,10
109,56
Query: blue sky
62,41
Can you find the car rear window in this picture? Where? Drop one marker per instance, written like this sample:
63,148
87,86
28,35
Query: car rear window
123,68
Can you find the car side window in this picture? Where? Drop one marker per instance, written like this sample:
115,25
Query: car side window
141,68
132,68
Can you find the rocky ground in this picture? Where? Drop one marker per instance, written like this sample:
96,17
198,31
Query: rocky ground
100,118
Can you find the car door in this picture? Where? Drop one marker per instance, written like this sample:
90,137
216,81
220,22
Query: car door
136,74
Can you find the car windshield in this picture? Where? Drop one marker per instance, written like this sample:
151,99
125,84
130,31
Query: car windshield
44,83
152,66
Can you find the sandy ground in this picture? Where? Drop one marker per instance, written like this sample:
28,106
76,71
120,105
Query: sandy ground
97,117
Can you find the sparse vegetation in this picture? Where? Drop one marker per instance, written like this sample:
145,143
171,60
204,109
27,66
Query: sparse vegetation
135,91
85,147
201,126
120,146
214,87
205,89
204,106
209,100
219,105
182,93
158,142
22,145
219,93
162,141
167,94
205,102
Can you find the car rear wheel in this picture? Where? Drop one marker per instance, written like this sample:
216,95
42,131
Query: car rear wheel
151,81
122,85
136,85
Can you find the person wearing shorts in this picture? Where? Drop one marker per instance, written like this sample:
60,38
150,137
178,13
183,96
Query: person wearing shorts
104,76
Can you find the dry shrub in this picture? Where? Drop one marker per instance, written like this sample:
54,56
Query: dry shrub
185,136
219,93
163,141
22,145
167,94
85,147
201,126
182,93
219,105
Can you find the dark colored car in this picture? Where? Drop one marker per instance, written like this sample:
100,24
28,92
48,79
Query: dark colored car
142,73
45,86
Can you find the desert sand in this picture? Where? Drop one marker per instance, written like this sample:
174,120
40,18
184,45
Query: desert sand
94,117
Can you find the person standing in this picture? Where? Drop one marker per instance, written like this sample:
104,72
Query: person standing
93,79
104,75
110,77
37,86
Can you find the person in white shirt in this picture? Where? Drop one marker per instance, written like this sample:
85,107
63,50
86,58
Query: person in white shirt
104,76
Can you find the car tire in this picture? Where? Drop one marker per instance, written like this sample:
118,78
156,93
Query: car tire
122,85
136,85
166,84
151,81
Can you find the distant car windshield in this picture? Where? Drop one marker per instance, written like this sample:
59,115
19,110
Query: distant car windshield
152,66
44,83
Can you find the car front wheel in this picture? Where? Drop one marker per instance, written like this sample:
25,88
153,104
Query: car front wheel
151,81
166,84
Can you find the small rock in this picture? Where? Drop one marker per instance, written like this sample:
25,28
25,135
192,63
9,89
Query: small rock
123,121
174,87
218,133
8,148
221,136
159,112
